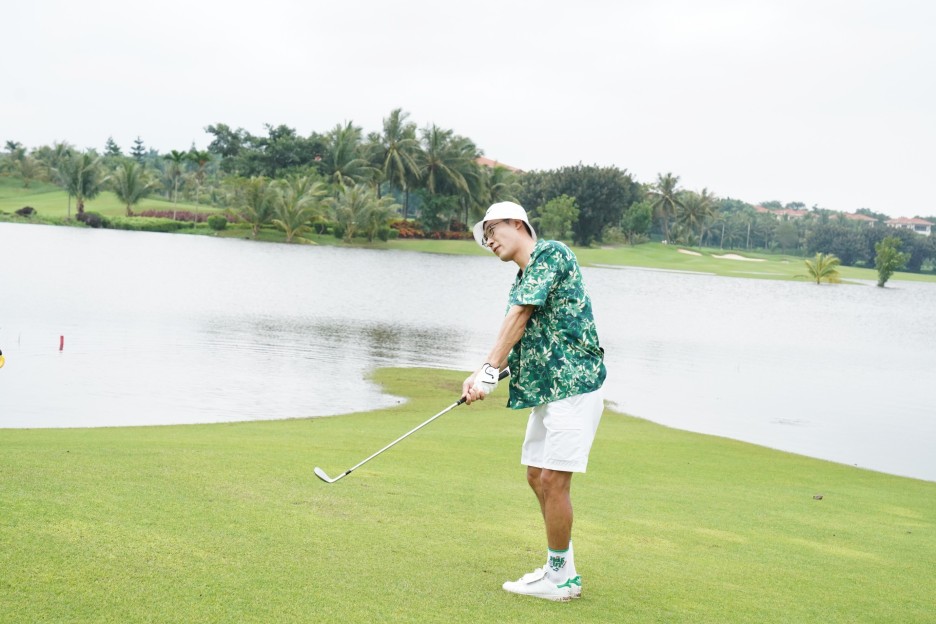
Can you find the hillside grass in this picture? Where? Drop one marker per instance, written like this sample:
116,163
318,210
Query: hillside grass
226,523
51,201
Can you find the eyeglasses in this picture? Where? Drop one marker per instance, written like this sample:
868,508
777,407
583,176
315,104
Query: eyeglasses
489,230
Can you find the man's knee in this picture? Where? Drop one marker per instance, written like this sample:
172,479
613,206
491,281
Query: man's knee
555,482
533,478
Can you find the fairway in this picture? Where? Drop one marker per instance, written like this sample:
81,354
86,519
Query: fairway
226,523
51,201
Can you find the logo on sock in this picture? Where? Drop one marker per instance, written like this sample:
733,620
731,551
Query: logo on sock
556,562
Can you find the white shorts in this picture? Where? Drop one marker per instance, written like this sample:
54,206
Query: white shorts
559,435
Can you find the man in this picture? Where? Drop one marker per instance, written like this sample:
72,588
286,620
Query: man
548,339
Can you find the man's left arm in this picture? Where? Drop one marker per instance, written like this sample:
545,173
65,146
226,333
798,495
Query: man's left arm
511,331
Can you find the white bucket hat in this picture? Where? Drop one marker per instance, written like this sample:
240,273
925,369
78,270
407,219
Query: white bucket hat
501,210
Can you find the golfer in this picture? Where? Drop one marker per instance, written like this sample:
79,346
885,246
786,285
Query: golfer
549,340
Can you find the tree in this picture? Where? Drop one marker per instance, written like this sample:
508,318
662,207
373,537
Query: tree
358,209
557,216
888,259
601,193
111,149
396,151
201,160
298,202
258,203
131,183
440,166
83,178
176,165
138,151
15,148
823,267
28,169
666,200
343,164
502,185
637,220
787,235
693,210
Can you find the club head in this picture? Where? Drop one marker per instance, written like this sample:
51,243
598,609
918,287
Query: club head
321,475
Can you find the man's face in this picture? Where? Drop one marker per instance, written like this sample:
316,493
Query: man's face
503,237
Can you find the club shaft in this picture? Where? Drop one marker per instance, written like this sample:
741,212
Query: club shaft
321,474
404,436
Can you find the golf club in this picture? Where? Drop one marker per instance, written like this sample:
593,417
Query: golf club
324,477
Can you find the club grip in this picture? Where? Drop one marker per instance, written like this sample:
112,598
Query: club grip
503,375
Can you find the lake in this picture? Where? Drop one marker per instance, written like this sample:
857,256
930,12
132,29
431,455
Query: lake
174,329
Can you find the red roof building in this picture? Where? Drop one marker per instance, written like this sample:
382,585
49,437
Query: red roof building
920,226
487,162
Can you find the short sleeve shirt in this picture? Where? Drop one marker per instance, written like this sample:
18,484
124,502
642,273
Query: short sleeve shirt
558,355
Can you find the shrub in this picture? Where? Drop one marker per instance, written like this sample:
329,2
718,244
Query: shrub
384,233
147,224
217,222
26,211
91,219
338,231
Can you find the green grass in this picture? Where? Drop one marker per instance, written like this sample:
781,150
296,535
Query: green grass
51,201
226,523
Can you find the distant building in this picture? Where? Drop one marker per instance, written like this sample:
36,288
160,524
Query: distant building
780,213
920,226
860,218
487,162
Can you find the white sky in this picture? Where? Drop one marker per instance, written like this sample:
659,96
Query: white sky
826,102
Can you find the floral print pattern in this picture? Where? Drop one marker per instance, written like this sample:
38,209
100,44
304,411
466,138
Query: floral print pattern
558,355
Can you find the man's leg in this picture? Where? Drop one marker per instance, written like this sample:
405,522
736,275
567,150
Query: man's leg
553,490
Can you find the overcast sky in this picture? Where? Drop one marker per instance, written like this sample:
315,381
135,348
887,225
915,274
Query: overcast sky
830,103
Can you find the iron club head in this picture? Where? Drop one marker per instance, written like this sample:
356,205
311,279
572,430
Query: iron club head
324,477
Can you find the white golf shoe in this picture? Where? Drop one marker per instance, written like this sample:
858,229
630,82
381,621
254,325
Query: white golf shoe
538,585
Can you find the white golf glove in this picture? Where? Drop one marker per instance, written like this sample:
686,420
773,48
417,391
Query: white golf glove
486,379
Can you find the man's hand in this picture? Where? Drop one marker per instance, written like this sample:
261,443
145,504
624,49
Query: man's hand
480,384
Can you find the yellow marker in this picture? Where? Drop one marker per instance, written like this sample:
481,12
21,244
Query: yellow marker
2,359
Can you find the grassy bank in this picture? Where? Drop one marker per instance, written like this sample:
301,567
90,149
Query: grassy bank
52,202
226,523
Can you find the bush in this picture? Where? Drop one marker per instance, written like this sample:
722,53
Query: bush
383,233
147,224
26,211
91,219
217,222
338,231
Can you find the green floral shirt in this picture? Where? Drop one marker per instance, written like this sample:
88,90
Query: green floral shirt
558,355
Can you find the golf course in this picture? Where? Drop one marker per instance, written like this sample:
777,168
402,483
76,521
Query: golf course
226,523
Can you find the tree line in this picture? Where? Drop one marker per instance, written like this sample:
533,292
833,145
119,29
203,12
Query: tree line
354,183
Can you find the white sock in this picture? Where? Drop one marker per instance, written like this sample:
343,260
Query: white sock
556,565
570,563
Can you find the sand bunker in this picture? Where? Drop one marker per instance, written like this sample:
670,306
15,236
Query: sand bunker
737,257
689,253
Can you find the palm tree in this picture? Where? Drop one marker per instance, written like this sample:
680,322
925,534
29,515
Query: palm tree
344,164
83,178
131,184
176,160
29,169
823,267
438,164
665,199
358,209
694,210
258,205
201,160
502,185
298,202
396,152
